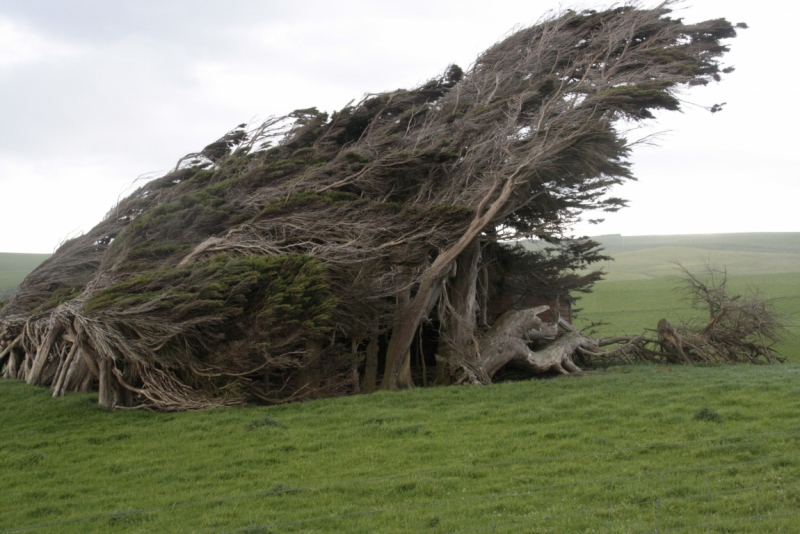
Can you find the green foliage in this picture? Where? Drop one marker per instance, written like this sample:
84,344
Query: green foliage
304,153
278,292
506,455
546,88
167,229
62,294
307,199
222,147
149,251
549,272
452,75
637,101
297,294
356,157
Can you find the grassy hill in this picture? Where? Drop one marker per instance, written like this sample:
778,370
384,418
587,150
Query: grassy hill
15,267
647,257
633,449
640,282
788,242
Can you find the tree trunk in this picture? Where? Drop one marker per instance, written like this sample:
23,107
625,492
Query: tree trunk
397,374
120,398
61,376
484,297
7,350
106,397
11,368
76,372
95,365
310,374
43,351
430,283
459,322
670,340
88,378
507,341
371,364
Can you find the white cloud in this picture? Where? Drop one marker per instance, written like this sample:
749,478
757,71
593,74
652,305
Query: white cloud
44,203
94,93
19,46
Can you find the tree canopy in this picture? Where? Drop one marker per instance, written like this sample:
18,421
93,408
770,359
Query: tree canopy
310,254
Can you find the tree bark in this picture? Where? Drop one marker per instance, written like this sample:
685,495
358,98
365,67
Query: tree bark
11,367
93,363
507,341
671,340
397,374
7,350
25,366
460,320
484,297
106,397
75,372
371,363
88,378
310,374
43,351
61,377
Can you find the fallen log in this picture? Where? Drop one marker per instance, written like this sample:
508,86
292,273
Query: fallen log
508,339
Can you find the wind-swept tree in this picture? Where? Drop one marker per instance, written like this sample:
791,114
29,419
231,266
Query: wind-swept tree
316,255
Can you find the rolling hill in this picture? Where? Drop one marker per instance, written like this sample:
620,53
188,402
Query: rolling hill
15,267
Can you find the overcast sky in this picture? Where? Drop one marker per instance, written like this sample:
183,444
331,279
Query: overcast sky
95,93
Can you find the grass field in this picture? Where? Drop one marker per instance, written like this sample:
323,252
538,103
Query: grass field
634,305
15,267
640,285
628,449
636,449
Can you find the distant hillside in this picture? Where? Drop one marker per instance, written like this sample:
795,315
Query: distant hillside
637,291
788,242
646,257
660,262
15,267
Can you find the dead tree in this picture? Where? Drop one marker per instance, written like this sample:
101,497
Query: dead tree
741,328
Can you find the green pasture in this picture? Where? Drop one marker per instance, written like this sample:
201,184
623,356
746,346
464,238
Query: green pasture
648,257
15,267
633,449
641,283
631,306
646,264
787,242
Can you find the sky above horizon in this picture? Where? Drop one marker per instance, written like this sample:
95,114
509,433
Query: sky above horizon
95,95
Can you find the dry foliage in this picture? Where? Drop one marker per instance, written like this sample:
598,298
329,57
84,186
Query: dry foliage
741,328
